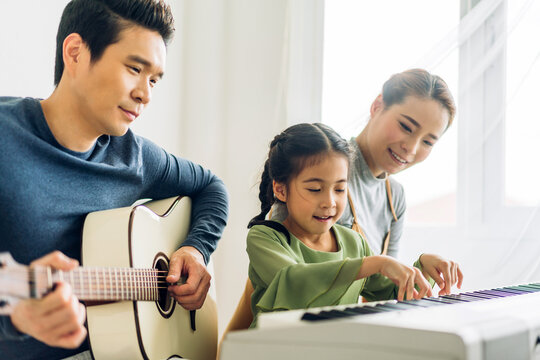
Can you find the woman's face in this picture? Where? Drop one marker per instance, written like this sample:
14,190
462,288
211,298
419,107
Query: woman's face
403,134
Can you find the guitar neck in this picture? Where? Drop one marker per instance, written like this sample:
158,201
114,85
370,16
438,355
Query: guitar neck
103,284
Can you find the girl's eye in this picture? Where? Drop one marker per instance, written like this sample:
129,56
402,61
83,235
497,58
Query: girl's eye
314,190
428,143
340,190
405,127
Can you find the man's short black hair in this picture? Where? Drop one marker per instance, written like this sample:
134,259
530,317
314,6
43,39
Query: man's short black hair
99,23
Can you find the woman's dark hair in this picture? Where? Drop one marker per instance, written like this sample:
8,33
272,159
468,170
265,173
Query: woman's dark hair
99,23
419,83
290,152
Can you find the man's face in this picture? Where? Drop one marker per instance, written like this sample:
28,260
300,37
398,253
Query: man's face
113,91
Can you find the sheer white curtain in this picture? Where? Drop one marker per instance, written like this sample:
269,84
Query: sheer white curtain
248,69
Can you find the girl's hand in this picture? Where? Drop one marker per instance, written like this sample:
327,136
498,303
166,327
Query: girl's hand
405,277
446,273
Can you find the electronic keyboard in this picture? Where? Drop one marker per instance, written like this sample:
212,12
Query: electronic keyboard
501,323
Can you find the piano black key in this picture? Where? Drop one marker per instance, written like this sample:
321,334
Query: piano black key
325,315
510,290
363,310
497,292
530,288
462,297
481,295
519,288
400,306
312,317
441,300
332,314
423,303
383,307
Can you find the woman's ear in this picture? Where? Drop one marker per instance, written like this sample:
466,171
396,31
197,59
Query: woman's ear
376,105
280,191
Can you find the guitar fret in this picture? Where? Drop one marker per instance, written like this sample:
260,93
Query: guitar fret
72,282
155,286
115,282
81,285
147,285
89,283
97,283
110,284
49,278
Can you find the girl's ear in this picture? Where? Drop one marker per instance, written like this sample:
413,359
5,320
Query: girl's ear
376,105
280,191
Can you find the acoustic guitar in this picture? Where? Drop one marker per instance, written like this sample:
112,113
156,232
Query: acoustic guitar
125,257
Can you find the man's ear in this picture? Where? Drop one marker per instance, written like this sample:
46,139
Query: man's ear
73,49
377,105
280,191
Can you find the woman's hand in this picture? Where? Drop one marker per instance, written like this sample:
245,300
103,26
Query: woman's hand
446,273
405,277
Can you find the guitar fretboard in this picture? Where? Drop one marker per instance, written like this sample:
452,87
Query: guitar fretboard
103,283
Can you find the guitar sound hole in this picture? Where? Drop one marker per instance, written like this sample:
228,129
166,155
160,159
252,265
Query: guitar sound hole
165,301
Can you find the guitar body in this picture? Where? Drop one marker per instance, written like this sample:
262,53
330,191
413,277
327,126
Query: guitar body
136,237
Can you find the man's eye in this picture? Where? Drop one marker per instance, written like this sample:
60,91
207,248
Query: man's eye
405,127
428,143
135,69
340,190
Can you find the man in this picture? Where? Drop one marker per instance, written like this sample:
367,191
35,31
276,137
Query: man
73,153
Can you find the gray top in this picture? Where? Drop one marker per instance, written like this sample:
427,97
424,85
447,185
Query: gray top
371,205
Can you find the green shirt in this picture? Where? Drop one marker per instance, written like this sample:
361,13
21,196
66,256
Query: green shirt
294,276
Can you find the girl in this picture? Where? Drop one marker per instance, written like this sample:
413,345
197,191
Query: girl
308,260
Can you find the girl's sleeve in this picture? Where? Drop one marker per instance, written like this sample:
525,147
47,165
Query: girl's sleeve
291,284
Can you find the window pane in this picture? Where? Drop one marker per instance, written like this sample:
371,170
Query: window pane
367,42
522,119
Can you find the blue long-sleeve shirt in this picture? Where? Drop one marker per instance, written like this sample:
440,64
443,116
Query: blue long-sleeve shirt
46,190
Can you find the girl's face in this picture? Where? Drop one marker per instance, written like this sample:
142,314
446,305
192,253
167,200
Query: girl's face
315,198
403,134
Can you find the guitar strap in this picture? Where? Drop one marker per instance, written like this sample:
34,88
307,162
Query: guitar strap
356,226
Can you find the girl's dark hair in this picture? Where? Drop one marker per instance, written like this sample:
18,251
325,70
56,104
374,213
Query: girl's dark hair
419,83
290,152
99,23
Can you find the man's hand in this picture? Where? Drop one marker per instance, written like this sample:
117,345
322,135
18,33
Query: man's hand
58,318
189,262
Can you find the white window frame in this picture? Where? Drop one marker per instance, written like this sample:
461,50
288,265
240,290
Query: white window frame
482,214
